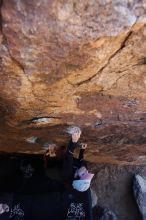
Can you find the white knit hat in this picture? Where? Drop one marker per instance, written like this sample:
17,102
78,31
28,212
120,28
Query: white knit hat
81,185
84,183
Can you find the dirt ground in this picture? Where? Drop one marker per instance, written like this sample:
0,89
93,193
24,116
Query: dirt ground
113,186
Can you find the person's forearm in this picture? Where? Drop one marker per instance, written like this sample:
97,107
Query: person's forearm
68,161
81,155
71,146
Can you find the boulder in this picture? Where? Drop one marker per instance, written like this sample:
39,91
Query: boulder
139,188
106,214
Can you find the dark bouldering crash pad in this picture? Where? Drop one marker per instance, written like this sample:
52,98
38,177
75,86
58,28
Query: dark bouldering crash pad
40,197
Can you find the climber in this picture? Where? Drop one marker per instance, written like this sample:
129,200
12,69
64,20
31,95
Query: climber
75,172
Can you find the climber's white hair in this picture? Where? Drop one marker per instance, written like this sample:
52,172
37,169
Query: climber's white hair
73,129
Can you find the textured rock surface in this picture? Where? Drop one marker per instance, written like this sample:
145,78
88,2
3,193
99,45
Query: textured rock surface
74,62
139,189
114,187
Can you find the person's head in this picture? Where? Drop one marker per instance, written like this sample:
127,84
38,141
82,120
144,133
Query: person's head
74,130
75,133
81,171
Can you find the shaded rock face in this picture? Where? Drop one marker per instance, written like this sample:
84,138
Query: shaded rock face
113,185
82,63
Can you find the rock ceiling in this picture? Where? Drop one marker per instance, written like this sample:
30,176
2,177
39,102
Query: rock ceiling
69,62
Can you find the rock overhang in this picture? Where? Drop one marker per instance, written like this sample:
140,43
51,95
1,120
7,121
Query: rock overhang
67,63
